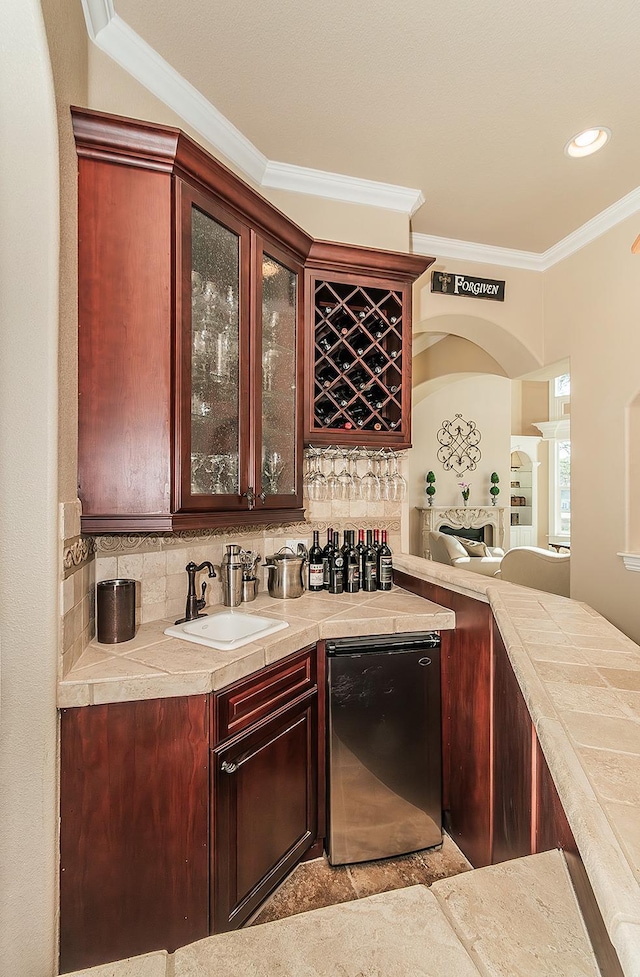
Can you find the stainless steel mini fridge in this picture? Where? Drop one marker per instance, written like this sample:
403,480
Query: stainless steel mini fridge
385,766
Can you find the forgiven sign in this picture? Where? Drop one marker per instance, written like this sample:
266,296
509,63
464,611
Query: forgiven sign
472,288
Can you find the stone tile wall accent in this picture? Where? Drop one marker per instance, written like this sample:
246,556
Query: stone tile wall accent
158,560
77,587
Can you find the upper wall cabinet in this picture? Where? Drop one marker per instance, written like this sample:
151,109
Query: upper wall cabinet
358,368
190,337
191,305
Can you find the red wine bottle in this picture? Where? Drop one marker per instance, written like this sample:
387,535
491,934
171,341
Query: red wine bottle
326,554
369,581
316,565
385,564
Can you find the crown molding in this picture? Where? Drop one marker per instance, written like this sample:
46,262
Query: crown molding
631,561
445,247
337,186
625,207
114,36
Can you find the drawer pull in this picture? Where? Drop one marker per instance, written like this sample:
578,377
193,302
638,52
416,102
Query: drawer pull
229,767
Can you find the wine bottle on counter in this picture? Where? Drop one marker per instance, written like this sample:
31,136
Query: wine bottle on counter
351,565
369,581
316,565
360,548
326,554
384,564
336,570
376,541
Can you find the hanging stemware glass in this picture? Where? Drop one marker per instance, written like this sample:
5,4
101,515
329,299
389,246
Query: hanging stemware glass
370,485
397,490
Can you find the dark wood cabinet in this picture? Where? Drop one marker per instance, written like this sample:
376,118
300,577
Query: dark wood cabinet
466,663
513,761
358,361
190,316
134,829
267,781
265,812
178,816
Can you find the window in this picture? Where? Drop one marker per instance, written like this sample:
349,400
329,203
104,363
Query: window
560,457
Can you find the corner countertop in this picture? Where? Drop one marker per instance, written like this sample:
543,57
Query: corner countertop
580,678
153,665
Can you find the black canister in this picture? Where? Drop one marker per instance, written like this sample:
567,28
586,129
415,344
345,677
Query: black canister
116,611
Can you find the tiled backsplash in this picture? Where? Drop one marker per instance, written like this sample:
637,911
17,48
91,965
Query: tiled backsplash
157,561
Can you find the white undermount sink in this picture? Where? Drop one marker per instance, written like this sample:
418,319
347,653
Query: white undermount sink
227,630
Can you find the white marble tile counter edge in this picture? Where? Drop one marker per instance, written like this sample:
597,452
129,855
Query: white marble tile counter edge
609,867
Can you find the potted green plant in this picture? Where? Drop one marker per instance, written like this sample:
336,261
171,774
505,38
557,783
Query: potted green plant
431,487
494,491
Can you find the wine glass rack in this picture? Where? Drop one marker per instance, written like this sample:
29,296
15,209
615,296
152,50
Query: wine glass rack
357,360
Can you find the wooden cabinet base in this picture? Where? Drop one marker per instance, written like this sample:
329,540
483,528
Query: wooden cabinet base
134,830
265,814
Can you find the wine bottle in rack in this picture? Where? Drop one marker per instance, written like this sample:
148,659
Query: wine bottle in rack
360,379
373,398
324,412
326,376
325,344
358,413
384,564
316,565
342,394
376,362
343,361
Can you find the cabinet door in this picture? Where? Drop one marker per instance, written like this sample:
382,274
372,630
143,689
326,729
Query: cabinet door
213,378
134,829
277,381
265,814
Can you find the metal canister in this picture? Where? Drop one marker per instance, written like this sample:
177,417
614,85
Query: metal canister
231,575
115,611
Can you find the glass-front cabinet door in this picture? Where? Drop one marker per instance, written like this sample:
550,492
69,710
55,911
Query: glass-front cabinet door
277,336
214,371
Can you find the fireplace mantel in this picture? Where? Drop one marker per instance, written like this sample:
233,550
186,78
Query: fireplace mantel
463,517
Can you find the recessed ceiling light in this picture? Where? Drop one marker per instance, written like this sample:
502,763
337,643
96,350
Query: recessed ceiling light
587,142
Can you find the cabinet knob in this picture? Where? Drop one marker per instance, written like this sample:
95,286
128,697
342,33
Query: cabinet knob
229,767
263,497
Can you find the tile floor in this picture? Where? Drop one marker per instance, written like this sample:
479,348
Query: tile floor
316,884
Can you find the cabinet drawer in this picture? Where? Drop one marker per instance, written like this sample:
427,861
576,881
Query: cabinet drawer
247,701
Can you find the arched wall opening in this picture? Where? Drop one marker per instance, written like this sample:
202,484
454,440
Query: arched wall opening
462,365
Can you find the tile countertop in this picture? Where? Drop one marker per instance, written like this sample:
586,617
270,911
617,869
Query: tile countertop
580,678
153,665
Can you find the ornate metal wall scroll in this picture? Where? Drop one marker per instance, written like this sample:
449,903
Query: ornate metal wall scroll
459,451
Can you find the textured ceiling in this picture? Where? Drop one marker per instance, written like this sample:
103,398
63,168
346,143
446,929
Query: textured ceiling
470,101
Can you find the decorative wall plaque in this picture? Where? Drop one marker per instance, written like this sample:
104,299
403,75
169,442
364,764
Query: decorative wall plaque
459,451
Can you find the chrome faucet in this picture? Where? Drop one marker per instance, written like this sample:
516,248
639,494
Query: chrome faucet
194,603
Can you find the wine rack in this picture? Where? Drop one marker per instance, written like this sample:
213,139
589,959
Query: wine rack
358,360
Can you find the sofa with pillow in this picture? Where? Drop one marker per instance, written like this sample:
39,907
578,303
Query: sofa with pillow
466,554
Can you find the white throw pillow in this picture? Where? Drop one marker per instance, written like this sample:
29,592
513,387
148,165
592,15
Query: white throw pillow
474,547
453,547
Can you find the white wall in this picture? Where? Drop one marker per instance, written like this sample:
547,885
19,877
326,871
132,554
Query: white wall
29,554
483,399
